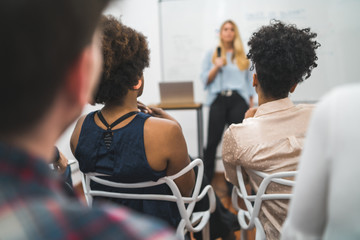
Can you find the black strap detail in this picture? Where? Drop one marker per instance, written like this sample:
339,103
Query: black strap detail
108,135
119,120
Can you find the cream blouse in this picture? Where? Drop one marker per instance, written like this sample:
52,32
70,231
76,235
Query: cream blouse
270,142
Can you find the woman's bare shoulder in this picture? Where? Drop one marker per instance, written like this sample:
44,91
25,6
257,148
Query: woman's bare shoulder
76,133
162,128
163,123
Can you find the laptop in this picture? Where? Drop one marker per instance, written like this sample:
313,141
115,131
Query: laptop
176,93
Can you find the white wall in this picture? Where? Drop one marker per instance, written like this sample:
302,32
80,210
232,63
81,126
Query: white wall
190,27
143,15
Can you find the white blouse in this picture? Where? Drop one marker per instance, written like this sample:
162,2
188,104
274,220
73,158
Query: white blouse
326,202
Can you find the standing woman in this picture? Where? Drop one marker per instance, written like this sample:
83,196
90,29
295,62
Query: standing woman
226,77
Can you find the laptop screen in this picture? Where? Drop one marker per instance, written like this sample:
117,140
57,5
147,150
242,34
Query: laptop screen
176,92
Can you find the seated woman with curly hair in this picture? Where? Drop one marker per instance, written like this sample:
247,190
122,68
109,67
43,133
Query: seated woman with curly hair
120,141
271,137
140,146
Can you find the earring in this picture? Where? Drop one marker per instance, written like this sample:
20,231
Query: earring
138,86
254,83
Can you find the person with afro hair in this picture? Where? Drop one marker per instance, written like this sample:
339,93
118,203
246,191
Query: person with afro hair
270,139
144,146
120,140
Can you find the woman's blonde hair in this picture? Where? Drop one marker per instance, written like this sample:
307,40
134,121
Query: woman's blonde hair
238,54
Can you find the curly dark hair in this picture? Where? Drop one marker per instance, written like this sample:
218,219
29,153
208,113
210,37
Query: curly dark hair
282,55
126,55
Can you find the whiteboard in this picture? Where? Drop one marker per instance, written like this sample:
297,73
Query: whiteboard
189,28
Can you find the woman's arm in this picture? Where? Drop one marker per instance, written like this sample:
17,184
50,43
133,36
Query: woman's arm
228,149
76,134
179,159
209,70
219,62
166,148
61,162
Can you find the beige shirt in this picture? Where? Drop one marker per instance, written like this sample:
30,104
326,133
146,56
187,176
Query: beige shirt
270,142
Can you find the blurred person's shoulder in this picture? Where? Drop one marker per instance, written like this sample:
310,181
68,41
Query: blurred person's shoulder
73,219
117,223
347,92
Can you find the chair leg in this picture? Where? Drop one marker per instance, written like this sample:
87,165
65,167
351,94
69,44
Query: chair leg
206,232
180,236
243,234
181,232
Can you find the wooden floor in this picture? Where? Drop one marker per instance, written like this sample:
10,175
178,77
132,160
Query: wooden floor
220,188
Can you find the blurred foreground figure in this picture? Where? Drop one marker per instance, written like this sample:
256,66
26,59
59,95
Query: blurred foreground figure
51,62
328,167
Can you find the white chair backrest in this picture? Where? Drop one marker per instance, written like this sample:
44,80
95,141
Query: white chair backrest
248,218
190,221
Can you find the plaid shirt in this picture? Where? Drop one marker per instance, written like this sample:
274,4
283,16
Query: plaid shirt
33,207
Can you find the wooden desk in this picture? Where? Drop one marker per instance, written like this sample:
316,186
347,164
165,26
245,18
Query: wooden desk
190,106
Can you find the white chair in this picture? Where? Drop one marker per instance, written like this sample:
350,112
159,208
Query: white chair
190,221
249,218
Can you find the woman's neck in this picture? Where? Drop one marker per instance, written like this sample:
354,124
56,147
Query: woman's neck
229,47
264,99
128,104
